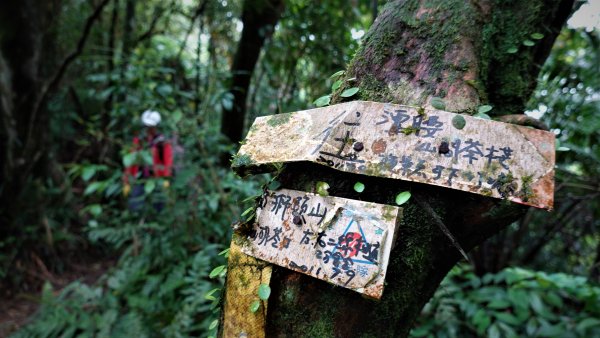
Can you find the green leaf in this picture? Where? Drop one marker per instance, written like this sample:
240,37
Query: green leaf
507,318
247,211
95,209
359,187
217,271
483,116
177,116
537,36
539,307
146,157
437,103
402,197
249,217
548,330
209,294
512,50
322,188
518,298
484,109
129,159
349,92
254,306
149,186
224,252
585,324
274,185
507,330
112,189
227,101
250,198
92,188
493,331
322,101
531,326
337,74
459,122
498,304
528,43
88,172
336,85
264,291
482,321
213,324
553,299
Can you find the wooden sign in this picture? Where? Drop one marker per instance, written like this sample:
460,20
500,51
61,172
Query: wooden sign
342,241
429,146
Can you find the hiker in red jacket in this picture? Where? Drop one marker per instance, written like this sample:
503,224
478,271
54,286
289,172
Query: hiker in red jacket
162,162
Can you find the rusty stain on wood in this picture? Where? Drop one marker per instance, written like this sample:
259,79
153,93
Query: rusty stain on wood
342,241
244,276
484,157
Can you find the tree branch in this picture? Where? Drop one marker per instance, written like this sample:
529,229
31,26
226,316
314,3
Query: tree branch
158,14
55,80
561,222
78,50
438,221
198,12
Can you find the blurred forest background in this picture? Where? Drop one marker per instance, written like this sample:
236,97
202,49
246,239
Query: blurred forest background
74,261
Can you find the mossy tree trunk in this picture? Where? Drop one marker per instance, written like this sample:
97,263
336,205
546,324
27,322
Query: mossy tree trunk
468,53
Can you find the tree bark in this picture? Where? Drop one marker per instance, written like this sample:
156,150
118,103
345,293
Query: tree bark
259,18
29,74
462,52
25,64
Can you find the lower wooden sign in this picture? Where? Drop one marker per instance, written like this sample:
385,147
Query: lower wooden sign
341,241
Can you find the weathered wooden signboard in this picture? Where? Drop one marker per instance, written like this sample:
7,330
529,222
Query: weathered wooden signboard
342,241
430,146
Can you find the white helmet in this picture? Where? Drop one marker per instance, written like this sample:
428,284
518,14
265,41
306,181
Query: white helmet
150,118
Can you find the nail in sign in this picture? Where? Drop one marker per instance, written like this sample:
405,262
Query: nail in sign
339,240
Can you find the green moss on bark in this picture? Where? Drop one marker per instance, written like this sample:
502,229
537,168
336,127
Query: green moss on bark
402,41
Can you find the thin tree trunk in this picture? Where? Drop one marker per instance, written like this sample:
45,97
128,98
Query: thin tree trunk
197,86
259,18
110,68
110,62
416,50
128,42
374,9
595,269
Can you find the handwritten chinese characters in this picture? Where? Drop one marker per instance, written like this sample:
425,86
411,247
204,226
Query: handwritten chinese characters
342,241
480,156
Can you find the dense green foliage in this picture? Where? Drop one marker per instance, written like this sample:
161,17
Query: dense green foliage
512,303
162,283
177,61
